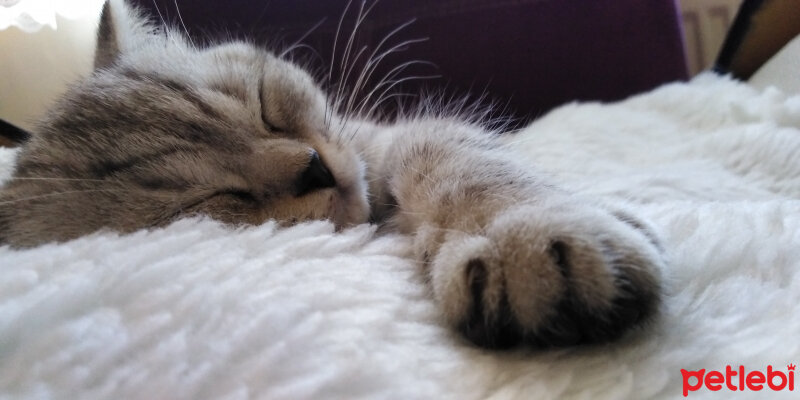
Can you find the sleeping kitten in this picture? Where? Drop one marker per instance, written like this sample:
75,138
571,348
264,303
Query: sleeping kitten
163,130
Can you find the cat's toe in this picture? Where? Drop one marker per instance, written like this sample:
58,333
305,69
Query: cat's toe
605,271
490,327
574,321
585,315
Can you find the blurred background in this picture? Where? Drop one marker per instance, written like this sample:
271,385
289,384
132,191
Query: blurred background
45,44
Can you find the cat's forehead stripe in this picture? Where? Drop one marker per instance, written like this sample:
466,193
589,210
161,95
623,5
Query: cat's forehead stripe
110,166
173,86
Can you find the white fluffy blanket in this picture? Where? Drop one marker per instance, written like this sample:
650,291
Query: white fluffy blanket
196,310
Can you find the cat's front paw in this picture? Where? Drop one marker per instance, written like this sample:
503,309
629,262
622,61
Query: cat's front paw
548,276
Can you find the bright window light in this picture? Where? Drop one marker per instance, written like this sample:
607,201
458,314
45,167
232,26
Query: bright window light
32,15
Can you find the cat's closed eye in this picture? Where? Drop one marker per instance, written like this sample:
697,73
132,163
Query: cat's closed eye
271,127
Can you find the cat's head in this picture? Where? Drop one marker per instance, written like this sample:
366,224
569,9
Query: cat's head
162,129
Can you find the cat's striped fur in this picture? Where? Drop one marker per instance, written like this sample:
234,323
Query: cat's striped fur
162,130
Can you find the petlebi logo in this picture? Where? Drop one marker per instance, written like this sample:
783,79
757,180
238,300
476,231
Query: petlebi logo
739,379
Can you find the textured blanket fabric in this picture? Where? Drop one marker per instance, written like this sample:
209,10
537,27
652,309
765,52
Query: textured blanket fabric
196,310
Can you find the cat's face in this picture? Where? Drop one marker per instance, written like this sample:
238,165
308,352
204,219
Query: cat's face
162,130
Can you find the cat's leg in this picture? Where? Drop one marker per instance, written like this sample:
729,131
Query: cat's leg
511,258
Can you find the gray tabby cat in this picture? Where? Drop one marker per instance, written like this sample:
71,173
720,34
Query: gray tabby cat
163,130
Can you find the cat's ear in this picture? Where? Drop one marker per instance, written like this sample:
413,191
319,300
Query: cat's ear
122,28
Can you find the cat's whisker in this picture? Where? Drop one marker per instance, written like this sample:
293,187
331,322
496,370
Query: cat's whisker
346,54
352,93
161,16
165,27
366,74
386,80
393,84
388,97
374,59
341,95
298,43
333,58
180,18
387,94
286,54
360,17
371,66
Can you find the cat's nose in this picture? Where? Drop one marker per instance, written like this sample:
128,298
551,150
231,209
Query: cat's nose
316,176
